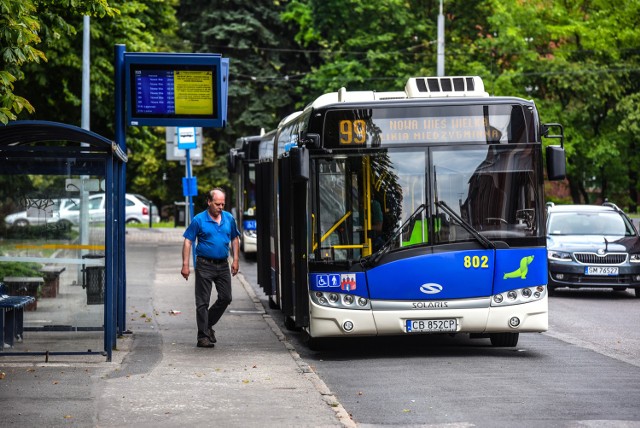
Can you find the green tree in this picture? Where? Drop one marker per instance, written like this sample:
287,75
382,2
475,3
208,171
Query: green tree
363,45
578,60
54,88
26,28
266,66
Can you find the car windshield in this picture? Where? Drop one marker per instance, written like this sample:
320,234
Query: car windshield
603,223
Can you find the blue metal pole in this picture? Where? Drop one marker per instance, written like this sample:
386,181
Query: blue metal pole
191,213
119,188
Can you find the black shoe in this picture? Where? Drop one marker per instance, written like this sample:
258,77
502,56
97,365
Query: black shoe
212,335
205,343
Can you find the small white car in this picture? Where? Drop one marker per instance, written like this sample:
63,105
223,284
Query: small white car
136,210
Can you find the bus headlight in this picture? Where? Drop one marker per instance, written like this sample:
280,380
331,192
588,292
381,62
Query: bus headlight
518,297
337,300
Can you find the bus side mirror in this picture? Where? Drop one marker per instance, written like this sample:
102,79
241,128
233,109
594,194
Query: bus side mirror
310,140
556,160
556,163
299,163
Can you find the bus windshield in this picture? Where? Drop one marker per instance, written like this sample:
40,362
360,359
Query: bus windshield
363,200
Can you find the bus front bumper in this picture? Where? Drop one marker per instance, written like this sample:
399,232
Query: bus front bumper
336,322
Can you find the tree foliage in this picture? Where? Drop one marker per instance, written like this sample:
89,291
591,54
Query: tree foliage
54,88
578,59
26,28
266,66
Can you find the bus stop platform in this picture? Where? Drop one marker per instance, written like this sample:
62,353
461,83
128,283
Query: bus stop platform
158,377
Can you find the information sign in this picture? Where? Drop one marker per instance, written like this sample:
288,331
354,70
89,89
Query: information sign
187,138
176,89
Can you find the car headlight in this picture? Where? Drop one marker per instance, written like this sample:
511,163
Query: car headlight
561,256
634,258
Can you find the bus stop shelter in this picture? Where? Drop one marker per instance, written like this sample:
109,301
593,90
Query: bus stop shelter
58,244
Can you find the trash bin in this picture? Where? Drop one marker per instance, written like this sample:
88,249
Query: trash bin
180,214
93,280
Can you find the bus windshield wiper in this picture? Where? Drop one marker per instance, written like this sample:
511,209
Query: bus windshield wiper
481,238
373,258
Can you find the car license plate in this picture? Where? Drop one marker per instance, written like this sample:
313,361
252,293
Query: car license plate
601,270
431,326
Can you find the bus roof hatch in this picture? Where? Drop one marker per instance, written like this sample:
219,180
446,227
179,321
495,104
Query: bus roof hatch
454,86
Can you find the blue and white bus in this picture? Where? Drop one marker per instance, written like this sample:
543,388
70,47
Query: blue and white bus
412,212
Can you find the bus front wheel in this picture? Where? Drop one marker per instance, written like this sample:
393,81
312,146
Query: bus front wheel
504,339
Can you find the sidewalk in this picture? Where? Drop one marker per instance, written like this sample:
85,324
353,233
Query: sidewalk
158,377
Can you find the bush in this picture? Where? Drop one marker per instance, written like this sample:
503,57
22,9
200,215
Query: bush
19,269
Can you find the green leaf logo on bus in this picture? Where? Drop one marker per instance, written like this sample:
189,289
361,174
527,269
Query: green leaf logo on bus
522,271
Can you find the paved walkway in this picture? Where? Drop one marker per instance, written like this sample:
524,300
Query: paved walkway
158,377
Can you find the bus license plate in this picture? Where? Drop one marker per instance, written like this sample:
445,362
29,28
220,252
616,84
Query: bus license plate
431,326
601,270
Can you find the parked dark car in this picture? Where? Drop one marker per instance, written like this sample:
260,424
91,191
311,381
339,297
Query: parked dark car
595,246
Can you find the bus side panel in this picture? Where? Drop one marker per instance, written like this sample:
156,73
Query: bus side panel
286,236
264,212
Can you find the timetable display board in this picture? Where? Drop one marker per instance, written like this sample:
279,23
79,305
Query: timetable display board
176,89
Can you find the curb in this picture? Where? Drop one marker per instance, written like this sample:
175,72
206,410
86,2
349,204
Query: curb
305,369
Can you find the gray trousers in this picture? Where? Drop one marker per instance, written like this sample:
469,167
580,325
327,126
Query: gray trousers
208,273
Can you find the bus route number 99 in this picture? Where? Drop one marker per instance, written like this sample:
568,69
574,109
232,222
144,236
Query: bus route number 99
353,132
476,262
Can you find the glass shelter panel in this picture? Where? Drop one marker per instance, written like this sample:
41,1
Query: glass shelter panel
52,247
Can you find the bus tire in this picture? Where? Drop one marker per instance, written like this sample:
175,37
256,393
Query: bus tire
290,324
508,340
272,304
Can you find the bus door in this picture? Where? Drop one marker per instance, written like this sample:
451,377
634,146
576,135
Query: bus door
264,214
293,241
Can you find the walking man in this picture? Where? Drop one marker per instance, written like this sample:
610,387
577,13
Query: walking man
214,229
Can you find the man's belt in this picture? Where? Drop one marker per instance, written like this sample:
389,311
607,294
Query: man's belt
213,261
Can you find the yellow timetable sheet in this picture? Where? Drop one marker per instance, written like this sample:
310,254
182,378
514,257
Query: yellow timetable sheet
193,92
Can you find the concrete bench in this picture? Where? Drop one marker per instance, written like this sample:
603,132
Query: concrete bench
51,275
24,286
11,317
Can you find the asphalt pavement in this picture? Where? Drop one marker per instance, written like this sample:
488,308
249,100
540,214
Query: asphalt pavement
158,377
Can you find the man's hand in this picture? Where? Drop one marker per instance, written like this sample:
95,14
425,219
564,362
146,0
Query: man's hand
186,252
235,267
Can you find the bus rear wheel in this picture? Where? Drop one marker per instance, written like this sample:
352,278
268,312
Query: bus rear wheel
504,339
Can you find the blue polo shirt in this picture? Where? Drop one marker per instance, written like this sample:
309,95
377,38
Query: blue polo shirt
213,238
